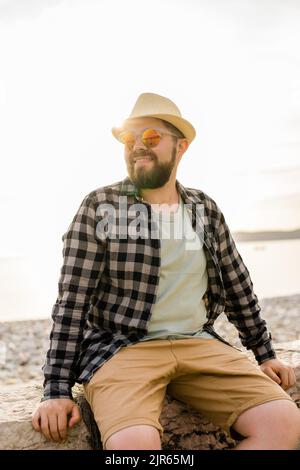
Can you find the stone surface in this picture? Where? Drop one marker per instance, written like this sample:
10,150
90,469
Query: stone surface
16,431
184,429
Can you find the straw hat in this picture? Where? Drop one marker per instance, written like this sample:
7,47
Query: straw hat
157,106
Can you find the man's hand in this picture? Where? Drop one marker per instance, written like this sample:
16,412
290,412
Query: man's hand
281,373
51,418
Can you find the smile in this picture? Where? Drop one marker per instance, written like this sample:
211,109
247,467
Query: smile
142,159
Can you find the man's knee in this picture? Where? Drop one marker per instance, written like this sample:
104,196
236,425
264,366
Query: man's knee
136,437
275,420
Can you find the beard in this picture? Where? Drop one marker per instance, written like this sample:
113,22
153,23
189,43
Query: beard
153,178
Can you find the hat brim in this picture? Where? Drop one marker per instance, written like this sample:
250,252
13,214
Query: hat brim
182,124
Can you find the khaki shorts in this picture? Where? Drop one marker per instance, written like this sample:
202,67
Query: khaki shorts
214,378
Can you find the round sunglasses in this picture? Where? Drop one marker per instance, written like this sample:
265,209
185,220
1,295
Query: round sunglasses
150,137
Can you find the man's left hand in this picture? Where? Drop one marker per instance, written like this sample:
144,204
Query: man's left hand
281,373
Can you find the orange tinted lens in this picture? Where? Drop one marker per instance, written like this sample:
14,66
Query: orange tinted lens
151,138
127,138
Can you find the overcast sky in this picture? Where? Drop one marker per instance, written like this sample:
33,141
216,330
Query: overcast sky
70,70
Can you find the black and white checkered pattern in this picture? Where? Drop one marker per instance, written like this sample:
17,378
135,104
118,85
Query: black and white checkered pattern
108,287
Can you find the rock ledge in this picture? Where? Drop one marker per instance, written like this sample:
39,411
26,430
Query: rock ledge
184,429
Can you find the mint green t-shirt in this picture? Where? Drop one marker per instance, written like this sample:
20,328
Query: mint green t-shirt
179,311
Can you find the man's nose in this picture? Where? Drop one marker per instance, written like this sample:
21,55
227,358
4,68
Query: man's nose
138,144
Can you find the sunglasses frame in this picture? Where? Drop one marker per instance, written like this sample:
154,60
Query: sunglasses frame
159,131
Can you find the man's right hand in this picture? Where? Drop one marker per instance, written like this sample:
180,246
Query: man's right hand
51,418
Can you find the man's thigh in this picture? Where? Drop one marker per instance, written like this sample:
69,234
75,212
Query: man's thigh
129,388
220,381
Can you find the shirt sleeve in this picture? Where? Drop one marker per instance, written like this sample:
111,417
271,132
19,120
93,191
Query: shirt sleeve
241,305
83,263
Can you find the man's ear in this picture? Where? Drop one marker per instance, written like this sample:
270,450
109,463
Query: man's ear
182,146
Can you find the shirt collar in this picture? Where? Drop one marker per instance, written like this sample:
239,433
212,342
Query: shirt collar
129,189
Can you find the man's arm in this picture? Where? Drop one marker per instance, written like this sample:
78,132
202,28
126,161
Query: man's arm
81,271
80,274
241,305
243,310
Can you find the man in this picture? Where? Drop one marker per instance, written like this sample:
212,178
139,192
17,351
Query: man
136,306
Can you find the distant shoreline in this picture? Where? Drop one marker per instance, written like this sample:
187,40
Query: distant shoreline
266,235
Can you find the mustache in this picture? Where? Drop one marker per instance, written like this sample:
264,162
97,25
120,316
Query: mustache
142,153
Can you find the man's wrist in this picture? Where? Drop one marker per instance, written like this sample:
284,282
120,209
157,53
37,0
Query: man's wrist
263,354
57,390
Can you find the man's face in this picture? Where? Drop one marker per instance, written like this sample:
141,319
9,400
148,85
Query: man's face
150,168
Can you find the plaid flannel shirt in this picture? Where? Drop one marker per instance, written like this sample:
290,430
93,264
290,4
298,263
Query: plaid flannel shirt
107,288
